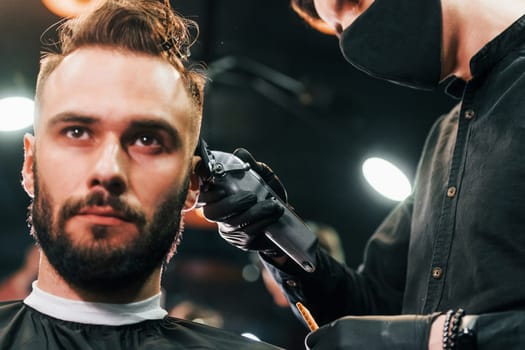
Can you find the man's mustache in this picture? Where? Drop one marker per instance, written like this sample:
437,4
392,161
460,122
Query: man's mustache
73,207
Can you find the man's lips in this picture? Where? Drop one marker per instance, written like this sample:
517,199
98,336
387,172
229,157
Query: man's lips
103,215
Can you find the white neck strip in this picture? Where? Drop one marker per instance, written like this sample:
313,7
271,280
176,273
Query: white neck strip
95,313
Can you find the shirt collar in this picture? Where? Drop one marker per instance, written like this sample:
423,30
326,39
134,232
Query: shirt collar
95,313
499,47
489,55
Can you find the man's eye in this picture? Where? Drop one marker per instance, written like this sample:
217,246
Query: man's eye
147,141
76,132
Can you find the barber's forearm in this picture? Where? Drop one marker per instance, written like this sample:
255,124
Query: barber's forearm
503,330
435,339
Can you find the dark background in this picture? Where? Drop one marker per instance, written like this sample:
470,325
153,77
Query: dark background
277,88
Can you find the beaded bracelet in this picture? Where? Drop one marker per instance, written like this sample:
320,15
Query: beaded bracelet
455,327
446,329
450,334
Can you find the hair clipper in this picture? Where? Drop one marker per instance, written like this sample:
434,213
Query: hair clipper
289,233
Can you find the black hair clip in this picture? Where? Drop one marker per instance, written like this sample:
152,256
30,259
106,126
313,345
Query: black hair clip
168,44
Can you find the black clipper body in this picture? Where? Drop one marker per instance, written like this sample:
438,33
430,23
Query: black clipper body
289,233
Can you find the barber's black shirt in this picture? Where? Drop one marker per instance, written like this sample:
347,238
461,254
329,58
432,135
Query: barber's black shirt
459,240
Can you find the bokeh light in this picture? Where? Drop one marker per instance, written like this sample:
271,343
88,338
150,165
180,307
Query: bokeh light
386,178
16,113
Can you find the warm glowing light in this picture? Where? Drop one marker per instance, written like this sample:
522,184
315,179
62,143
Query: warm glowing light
386,179
70,8
16,113
195,218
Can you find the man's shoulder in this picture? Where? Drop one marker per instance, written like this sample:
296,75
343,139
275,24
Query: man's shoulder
10,308
168,333
11,312
219,338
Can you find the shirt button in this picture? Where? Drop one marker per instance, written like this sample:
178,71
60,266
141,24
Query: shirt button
437,272
469,114
451,192
291,283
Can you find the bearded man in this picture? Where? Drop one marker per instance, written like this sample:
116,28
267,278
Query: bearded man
110,170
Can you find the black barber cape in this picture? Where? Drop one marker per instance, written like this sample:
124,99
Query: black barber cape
22,327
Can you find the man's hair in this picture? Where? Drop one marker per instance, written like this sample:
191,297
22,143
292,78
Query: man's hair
306,10
142,26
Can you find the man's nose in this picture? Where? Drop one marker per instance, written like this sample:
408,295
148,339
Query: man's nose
110,171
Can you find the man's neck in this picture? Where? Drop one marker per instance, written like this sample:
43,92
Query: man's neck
50,281
468,26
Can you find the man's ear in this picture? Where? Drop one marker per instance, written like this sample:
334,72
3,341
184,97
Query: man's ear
28,178
193,190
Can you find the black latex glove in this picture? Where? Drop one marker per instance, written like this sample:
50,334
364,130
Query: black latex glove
265,172
404,332
240,216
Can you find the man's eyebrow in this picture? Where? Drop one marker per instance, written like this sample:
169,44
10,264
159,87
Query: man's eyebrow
68,117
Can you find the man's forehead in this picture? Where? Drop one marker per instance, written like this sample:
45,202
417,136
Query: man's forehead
87,62
107,80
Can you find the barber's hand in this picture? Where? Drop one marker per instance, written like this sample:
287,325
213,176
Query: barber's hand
405,332
240,216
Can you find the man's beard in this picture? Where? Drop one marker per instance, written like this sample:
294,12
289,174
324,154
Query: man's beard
100,267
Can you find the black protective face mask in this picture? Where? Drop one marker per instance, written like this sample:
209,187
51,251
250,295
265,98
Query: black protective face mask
398,41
